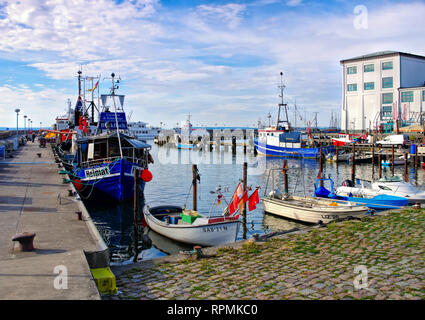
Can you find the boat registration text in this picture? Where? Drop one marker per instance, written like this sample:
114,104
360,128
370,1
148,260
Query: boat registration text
96,172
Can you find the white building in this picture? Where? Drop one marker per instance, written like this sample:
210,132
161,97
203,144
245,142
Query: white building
380,88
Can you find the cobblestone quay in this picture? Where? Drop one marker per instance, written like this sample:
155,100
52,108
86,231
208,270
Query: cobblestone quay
386,251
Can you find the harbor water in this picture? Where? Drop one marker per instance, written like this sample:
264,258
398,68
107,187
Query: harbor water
171,184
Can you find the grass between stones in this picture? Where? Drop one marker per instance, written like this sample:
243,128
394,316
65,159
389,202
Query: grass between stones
391,246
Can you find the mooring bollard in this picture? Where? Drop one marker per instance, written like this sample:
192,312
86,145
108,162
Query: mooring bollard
79,215
25,240
198,252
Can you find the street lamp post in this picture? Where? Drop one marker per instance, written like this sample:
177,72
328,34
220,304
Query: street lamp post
25,126
17,114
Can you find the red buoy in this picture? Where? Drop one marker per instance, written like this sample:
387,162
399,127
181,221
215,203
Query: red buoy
146,175
77,184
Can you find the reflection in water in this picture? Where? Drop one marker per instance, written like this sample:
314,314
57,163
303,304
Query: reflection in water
172,178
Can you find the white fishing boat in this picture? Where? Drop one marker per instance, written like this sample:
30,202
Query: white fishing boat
189,226
310,209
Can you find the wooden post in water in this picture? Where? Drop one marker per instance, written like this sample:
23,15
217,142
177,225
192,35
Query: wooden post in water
194,177
406,177
380,166
233,145
244,142
337,156
373,161
136,200
392,160
320,166
245,182
353,165
285,176
416,159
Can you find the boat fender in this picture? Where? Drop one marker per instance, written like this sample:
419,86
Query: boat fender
146,175
78,185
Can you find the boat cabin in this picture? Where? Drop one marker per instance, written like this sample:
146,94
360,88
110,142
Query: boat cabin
99,149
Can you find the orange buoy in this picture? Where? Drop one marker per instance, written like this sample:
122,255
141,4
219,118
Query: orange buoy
146,175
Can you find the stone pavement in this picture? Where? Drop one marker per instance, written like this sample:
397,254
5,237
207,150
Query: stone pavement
29,201
386,251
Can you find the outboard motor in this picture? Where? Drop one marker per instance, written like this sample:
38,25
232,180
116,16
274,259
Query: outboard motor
348,183
276,194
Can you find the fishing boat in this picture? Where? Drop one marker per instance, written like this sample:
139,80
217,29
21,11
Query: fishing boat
190,226
105,161
348,158
283,141
184,139
364,197
306,208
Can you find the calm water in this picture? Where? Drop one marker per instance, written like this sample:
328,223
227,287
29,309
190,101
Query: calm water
172,178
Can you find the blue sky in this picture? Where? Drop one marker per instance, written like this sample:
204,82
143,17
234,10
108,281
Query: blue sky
217,60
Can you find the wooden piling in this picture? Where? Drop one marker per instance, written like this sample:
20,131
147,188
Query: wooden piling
285,176
136,205
233,145
416,158
406,176
380,166
194,185
337,156
320,166
392,160
373,161
244,143
353,165
245,181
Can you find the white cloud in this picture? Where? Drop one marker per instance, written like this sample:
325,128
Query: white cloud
158,53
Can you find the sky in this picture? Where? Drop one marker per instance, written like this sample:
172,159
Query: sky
219,61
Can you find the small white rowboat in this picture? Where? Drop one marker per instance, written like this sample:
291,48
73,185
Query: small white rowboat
190,227
311,210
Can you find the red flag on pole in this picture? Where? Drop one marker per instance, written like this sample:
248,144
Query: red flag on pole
253,200
80,121
243,200
235,199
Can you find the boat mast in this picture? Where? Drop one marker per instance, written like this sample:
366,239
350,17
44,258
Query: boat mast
281,104
115,108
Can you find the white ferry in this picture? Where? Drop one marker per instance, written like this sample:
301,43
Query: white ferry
142,132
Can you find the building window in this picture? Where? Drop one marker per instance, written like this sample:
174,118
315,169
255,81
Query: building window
369,85
387,65
387,111
352,70
387,97
352,87
387,82
407,96
369,68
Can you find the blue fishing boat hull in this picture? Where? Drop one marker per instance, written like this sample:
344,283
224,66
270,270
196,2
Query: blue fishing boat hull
108,182
308,153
